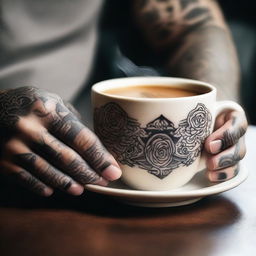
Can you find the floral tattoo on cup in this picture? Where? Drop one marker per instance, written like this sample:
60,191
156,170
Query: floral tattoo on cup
159,147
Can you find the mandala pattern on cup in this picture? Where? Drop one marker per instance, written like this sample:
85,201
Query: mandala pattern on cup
159,147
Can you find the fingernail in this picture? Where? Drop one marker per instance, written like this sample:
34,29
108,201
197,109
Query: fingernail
102,182
215,146
75,189
112,173
222,176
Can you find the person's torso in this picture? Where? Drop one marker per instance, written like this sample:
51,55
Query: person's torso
49,44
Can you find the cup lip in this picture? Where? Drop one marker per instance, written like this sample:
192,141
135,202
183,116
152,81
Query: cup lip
152,80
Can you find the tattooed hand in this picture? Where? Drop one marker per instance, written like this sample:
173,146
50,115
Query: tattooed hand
44,145
226,146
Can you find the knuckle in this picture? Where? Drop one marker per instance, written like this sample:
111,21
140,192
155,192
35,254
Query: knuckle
43,108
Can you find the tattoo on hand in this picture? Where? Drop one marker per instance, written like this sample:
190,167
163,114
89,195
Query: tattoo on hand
23,101
231,138
14,104
185,3
48,174
230,159
47,151
95,155
29,181
82,173
65,124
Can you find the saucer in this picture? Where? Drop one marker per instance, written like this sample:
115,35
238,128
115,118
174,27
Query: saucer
192,192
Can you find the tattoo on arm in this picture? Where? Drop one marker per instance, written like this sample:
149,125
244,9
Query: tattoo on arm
194,37
166,21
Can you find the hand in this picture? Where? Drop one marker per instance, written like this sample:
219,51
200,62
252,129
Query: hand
225,147
45,146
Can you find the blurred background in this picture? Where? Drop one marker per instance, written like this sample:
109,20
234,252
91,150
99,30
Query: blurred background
125,47
241,17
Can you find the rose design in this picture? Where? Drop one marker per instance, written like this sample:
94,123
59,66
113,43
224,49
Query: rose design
159,150
159,147
134,151
110,122
198,120
182,149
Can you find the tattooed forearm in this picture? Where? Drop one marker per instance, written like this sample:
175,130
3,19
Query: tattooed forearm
193,39
165,22
208,55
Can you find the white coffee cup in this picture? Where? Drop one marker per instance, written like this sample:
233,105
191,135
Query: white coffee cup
156,141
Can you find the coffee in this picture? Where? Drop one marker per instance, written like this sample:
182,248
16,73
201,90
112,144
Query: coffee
152,91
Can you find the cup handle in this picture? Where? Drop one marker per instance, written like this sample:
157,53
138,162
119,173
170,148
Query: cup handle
220,107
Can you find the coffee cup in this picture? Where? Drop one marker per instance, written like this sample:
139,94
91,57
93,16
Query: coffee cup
155,127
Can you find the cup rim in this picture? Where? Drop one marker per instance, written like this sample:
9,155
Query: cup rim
151,80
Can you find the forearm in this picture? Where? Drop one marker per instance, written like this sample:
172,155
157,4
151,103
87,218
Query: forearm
195,41
208,55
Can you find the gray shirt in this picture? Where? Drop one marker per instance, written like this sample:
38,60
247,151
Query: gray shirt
49,44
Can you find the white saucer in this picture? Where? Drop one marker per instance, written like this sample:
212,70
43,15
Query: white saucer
192,192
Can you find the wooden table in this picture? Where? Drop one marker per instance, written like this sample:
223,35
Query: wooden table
223,225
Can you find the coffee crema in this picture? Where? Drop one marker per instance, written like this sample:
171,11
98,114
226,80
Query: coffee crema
152,91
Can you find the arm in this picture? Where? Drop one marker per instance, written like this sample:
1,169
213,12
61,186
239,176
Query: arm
194,37
198,45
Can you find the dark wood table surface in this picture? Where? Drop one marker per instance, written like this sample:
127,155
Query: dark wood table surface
222,225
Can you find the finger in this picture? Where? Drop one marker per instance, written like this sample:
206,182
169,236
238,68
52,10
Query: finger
64,158
228,157
26,179
223,175
228,134
21,155
72,109
69,129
